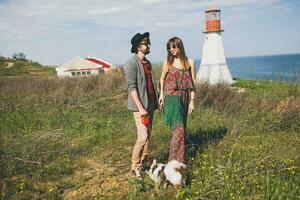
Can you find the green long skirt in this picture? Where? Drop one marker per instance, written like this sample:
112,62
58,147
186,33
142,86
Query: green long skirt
173,110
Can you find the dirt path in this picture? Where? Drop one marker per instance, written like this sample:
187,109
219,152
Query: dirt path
9,65
98,180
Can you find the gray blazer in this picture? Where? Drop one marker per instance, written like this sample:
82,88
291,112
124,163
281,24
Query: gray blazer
136,80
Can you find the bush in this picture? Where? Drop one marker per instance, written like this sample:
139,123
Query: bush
19,56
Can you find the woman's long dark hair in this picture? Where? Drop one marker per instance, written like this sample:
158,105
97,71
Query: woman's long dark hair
176,41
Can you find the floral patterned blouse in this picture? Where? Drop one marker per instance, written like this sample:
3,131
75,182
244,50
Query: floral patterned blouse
173,79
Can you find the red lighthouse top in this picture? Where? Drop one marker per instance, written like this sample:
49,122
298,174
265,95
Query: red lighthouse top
213,19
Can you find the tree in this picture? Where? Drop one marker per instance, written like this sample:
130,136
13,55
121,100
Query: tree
1,57
19,56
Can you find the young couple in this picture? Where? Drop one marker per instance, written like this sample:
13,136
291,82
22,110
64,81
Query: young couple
176,98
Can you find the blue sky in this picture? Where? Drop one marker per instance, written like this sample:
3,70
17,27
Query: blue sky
52,32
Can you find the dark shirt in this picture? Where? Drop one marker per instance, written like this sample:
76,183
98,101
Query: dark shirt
150,89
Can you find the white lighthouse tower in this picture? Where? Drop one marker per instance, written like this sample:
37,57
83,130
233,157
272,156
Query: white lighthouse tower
213,67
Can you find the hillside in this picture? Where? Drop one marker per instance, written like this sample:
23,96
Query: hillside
73,138
12,67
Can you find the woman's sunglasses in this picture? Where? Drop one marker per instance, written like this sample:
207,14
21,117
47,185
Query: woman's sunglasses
172,46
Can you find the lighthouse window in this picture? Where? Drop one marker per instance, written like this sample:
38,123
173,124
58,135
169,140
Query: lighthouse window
208,16
218,15
213,16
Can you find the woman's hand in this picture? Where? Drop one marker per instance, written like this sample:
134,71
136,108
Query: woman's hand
160,101
191,107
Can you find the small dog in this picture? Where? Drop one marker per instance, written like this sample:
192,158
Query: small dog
172,173
159,172
156,173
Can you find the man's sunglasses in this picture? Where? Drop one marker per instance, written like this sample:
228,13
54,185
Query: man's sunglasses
146,43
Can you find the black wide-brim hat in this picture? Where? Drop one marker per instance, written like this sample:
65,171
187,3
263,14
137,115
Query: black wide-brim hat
136,40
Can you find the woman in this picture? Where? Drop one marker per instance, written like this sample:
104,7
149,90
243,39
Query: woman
177,94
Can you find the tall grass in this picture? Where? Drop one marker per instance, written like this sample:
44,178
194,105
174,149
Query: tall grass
258,158
72,138
12,68
47,122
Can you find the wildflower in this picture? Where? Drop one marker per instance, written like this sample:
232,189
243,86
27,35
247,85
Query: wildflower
292,169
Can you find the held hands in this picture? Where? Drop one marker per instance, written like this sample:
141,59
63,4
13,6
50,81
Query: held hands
191,107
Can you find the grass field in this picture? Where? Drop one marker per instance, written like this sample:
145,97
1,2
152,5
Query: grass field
73,138
11,68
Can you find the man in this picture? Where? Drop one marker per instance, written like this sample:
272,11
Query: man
142,97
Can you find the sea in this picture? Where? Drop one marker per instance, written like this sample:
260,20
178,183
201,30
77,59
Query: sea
274,67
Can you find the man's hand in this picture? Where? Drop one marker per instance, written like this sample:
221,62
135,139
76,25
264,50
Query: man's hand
143,111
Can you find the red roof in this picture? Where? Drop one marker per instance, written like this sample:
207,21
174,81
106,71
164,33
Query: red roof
83,69
100,62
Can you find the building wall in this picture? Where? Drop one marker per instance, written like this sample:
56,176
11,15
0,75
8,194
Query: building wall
76,73
213,67
62,73
213,50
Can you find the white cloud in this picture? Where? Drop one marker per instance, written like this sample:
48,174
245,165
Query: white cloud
154,1
244,2
113,13
75,21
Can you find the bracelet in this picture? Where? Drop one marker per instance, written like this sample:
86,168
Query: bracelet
192,100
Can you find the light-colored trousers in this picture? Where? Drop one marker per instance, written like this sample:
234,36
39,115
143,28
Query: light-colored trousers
140,150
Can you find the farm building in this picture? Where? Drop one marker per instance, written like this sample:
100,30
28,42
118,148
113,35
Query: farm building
106,66
83,67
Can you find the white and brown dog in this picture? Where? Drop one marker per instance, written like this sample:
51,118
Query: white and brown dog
170,172
156,173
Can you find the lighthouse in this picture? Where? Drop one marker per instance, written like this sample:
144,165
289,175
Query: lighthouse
213,67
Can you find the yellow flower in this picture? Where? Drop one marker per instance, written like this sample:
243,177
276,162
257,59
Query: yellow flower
292,169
